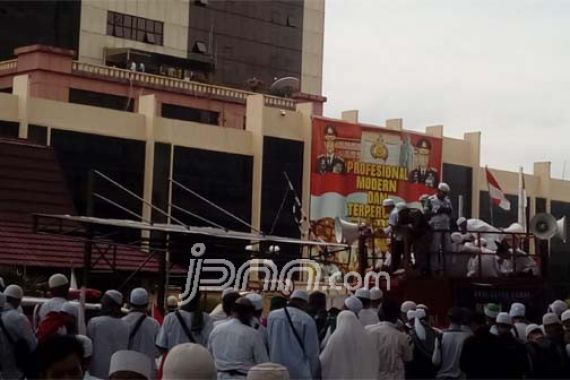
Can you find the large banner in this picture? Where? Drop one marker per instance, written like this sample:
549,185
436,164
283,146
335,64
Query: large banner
355,168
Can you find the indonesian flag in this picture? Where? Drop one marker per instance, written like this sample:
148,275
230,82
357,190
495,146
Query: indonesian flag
496,193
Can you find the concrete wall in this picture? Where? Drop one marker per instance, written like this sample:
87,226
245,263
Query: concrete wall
93,36
313,39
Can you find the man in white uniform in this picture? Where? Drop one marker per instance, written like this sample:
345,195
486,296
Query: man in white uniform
293,338
368,315
392,347
108,332
59,289
143,329
14,327
235,345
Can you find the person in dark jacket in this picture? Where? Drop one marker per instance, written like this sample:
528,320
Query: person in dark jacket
480,356
514,362
546,361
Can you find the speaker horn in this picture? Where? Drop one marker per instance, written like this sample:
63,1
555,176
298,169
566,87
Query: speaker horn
345,231
544,226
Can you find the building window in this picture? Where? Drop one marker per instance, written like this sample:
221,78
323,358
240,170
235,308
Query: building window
200,47
135,28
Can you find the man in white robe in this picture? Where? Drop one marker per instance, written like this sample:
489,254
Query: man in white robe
293,338
235,345
349,353
59,290
142,328
17,326
108,332
368,315
392,347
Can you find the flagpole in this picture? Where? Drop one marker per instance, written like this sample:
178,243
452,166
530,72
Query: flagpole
490,199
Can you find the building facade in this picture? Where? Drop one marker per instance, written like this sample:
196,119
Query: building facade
242,44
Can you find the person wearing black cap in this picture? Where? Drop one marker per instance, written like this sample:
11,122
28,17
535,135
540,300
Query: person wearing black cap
423,173
330,162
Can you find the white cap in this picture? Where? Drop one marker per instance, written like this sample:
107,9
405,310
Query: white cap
227,291
420,313
558,307
550,319
256,300
376,294
14,291
139,297
353,304
422,306
130,361
363,293
301,295
388,202
188,361
407,306
411,314
532,327
456,237
517,310
172,301
401,206
87,344
491,310
461,220
504,319
57,280
268,371
565,316
443,187
115,295
71,308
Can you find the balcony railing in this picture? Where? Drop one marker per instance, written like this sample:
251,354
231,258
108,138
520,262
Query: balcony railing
194,88
8,65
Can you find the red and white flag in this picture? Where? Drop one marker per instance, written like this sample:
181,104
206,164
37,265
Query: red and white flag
496,193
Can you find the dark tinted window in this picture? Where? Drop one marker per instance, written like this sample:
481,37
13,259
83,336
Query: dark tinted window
98,99
173,111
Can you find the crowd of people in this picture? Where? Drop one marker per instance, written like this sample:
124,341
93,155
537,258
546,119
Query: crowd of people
366,336
428,239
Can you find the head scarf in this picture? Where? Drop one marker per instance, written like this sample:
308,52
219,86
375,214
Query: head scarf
349,353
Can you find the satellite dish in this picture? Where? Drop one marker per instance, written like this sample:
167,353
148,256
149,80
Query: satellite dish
285,87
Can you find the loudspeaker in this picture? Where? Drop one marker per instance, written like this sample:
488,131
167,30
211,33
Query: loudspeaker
345,231
544,226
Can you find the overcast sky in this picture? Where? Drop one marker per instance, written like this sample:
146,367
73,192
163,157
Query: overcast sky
497,66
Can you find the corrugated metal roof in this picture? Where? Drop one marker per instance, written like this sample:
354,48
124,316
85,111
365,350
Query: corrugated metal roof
31,181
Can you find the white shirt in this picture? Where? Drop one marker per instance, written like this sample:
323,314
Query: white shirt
53,304
450,353
393,348
144,340
349,353
109,335
19,328
171,333
236,346
218,313
368,316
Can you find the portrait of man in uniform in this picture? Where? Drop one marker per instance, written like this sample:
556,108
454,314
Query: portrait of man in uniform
423,173
330,162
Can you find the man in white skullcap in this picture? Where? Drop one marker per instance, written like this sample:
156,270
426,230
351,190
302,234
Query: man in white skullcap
59,290
189,361
353,304
108,332
257,302
376,296
517,314
293,338
553,329
368,315
558,307
235,346
189,324
405,307
438,212
15,328
268,371
143,329
14,294
130,365
514,359
392,347
565,319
